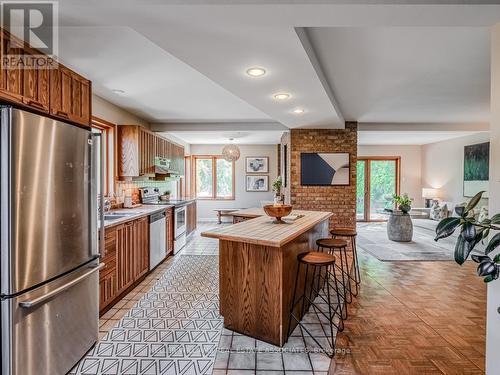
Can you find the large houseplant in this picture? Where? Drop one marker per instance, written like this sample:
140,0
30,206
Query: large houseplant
402,202
471,233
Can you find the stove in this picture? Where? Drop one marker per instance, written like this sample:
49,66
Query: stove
151,196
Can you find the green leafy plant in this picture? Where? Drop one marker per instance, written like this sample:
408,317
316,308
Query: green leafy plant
402,202
277,184
473,232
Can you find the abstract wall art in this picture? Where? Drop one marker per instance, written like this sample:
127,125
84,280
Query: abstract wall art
324,169
476,169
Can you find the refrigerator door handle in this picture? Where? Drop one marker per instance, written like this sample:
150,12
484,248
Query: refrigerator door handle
36,301
97,241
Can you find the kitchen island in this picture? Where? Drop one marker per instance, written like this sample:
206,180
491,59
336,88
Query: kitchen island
257,268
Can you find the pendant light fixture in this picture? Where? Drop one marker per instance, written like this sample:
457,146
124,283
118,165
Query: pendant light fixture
231,152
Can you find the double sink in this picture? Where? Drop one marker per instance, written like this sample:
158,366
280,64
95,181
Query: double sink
118,215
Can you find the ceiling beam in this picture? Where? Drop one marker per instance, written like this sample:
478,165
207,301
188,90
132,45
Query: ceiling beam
313,58
217,126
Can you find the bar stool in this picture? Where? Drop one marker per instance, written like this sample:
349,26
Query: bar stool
350,234
332,245
324,267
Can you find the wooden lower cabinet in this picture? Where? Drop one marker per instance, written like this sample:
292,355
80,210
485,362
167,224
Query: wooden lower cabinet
191,218
169,222
107,288
141,254
125,258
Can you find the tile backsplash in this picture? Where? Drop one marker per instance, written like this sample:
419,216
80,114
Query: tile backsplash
122,187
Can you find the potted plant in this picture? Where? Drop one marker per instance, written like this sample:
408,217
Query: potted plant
277,185
402,202
471,233
165,196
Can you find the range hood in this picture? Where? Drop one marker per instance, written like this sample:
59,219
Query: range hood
162,167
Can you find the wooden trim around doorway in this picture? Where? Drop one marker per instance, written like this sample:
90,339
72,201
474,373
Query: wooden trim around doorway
367,160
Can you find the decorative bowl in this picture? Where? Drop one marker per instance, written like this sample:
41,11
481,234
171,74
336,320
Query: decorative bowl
277,211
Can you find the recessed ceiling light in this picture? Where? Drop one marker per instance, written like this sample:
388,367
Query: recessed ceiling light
281,96
256,72
118,91
298,111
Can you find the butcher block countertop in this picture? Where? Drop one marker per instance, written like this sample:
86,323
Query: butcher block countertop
262,231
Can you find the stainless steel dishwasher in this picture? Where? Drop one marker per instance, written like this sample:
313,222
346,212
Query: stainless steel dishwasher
157,239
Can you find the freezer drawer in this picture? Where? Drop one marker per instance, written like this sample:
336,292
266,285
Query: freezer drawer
47,331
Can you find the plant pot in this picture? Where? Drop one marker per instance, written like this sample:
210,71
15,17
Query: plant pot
399,227
405,208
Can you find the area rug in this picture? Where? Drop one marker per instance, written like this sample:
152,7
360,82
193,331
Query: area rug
372,238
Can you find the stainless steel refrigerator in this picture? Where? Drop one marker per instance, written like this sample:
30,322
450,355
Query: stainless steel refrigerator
49,254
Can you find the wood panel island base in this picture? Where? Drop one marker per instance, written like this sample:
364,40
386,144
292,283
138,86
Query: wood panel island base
257,269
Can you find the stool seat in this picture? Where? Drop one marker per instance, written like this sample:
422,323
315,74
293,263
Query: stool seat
345,232
316,258
331,243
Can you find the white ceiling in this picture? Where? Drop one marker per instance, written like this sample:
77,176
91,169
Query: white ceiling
185,61
157,85
407,137
240,137
415,74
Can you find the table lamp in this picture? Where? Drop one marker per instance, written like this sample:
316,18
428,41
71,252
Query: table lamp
429,194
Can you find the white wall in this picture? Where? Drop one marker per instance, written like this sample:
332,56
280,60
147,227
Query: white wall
108,111
443,166
493,299
411,170
243,199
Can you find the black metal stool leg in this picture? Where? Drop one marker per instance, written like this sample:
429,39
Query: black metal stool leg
341,326
355,256
344,273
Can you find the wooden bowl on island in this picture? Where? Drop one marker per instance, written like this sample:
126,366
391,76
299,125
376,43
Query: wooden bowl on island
277,211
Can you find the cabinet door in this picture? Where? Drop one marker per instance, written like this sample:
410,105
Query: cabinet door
141,251
107,289
11,87
36,88
60,92
80,99
169,232
191,217
124,256
69,96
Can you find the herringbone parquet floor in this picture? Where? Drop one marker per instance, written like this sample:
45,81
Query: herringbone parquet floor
415,318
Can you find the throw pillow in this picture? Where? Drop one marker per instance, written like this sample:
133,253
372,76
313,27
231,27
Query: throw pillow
438,212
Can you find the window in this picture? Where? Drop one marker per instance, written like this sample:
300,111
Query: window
213,177
106,130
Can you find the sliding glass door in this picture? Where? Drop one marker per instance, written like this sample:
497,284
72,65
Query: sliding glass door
377,179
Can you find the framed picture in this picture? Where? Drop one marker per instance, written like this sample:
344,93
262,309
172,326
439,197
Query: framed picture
257,183
476,169
324,169
257,164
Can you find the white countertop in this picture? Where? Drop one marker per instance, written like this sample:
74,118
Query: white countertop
133,213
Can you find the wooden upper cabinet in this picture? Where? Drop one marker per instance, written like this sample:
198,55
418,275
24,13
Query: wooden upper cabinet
47,88
36,88
138,147
24,85
70,96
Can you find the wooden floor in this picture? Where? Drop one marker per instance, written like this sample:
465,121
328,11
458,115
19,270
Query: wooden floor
415,318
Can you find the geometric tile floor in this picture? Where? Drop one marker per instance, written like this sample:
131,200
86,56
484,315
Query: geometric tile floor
170,324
